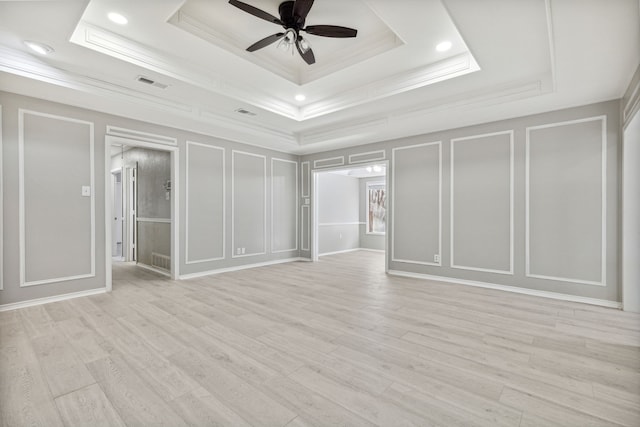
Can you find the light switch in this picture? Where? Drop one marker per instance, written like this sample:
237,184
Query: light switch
86,191
306,201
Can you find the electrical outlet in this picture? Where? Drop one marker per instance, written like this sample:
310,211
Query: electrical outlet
243,249
436,258
238,251
306,201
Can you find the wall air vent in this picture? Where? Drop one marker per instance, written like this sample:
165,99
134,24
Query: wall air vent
148,81
245,112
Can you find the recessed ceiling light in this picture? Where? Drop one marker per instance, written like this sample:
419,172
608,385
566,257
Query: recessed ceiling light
41,48
117,18
300,97
443,46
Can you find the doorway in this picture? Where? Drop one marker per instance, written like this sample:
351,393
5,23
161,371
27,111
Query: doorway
141,206
350,206
118,215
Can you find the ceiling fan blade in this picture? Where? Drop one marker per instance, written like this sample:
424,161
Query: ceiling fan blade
255,12
307,55
265,42
331,31
301,9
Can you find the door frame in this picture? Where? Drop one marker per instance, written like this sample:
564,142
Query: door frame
315,201
115,172
175,191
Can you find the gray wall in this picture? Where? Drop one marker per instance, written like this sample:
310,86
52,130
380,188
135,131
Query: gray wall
338,213
368,241
540,212
59,142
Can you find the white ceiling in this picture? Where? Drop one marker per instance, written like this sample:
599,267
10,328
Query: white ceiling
509,58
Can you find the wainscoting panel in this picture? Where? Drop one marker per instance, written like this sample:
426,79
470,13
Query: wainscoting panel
249,203
417,204
56,198
566,201
205,203
482,203
284,205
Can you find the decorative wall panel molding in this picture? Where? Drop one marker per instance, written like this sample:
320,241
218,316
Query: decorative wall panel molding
482,202
205,203
56,198
566,201
416,208
248,204
284,206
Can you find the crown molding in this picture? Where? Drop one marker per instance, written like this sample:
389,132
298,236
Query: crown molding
24,65
116,46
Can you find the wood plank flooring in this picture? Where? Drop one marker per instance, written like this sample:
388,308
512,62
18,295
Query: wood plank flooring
333,343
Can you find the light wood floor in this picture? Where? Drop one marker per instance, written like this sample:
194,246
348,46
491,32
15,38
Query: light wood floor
330,343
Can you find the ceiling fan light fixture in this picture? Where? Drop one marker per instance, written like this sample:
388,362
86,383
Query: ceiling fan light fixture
288,41
304,45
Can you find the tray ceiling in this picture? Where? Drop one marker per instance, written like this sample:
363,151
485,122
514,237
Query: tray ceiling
506,59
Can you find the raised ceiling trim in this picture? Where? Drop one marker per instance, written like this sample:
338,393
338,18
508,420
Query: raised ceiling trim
141,136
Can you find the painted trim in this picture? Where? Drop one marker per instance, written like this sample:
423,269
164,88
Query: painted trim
306,247
273,251
603,253
513,289
366,203
317,165
393,212
153,269
233,203
332,224
47,300
352,156
224,205
633,104
141,136
240,267
159,220
1,209
306,189
21,208
344,251
511,203
380,251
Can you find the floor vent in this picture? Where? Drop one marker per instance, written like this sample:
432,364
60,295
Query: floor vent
160,261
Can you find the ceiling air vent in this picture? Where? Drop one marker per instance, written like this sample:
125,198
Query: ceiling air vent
148,81
245,112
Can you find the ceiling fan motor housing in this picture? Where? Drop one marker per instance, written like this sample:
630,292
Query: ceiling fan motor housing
286,16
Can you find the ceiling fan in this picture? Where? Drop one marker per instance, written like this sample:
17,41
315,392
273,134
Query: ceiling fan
292,17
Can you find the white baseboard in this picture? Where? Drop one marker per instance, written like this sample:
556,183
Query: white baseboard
514,289
154,269
339,252
381,251
47,300
240,267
